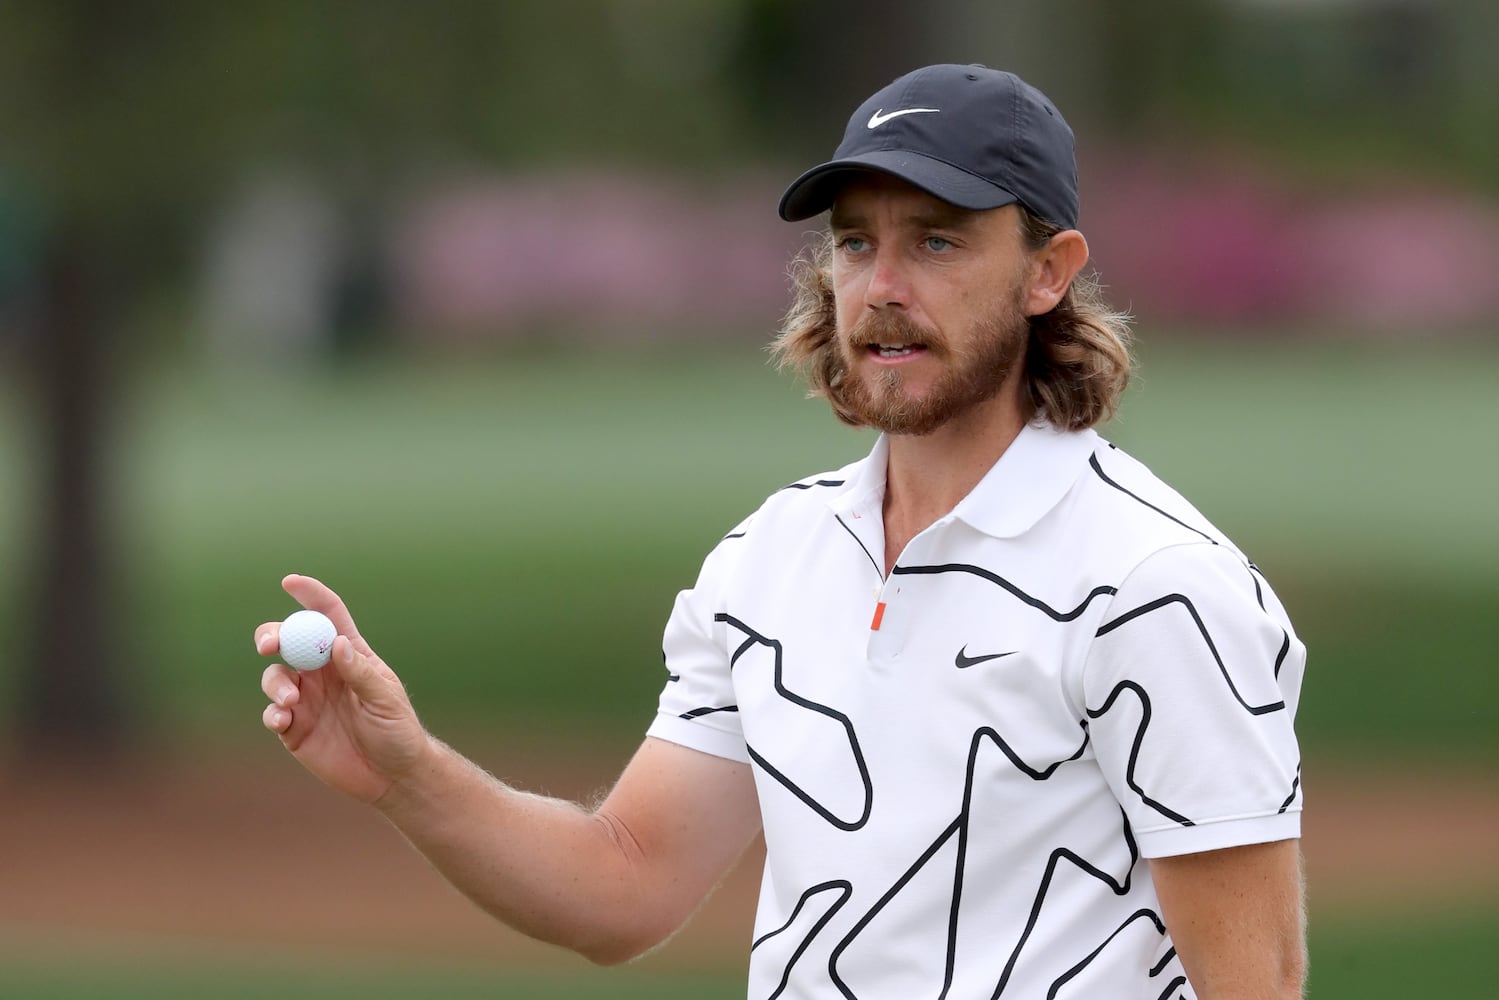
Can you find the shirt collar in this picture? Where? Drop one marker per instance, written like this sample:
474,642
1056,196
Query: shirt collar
1030,478
863,492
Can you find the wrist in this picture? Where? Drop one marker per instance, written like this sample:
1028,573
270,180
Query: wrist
415,787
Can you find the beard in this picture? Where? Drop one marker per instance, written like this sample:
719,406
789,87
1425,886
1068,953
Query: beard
974,370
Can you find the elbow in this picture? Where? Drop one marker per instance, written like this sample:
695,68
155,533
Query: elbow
611,954
619,948
635,920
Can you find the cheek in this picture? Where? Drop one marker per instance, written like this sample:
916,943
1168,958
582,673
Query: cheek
848,301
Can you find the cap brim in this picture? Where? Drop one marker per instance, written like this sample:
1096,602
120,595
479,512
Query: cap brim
815,190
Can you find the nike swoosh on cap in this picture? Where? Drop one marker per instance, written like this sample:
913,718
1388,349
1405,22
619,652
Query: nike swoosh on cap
964,661
879,117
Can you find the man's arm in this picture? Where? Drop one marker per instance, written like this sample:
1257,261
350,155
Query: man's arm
1237,918
609,883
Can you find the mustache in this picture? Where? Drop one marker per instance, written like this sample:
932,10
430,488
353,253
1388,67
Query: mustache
884,327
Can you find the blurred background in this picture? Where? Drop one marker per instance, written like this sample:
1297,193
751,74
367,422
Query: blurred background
462,306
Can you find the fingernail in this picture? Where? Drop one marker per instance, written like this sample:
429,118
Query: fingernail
283,695
346,652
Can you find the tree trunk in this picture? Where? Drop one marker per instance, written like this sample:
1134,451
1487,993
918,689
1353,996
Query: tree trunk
70,706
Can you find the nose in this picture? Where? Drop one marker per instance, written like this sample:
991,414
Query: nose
887,288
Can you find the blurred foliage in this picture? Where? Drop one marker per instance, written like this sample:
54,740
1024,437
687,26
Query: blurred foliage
1384,87
129,125
159,101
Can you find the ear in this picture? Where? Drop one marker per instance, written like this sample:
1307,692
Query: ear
1052,269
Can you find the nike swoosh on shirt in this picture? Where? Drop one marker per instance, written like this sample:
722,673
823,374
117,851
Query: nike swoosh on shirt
964,661
879,117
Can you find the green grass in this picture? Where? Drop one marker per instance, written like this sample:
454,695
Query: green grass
299,977
511,531
1388,956
1383,957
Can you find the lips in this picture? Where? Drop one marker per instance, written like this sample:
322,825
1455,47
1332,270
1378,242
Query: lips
895,350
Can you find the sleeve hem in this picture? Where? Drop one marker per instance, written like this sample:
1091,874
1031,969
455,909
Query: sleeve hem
1171,841
699,736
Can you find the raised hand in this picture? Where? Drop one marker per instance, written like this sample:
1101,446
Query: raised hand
350,723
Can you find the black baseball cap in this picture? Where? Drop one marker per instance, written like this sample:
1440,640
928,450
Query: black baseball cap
972,136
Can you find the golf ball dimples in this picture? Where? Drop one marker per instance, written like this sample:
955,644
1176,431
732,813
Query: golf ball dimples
307,640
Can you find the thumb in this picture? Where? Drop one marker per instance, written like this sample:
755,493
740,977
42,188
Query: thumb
360,673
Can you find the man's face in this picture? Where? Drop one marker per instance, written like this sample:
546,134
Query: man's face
929,304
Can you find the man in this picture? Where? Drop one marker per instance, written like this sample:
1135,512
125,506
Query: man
1014,717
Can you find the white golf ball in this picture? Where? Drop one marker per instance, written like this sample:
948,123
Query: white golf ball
307,640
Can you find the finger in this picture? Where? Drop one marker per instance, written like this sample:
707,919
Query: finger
277,720
313,593
282,685
268,639
363,674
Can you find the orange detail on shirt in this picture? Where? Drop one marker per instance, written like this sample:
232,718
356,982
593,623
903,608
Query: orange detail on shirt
879,614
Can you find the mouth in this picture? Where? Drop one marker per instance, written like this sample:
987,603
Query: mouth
895,350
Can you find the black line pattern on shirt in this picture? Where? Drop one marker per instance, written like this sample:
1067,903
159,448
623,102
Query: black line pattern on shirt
698,713
1093,461
1175,984
1184,601
994,578
872,561
846,889
1077,970
959,827
1295,786
774,645
1119,887
1285,648
744,647
1254,577
808,486
1259,595
843,884
880,904
1134,750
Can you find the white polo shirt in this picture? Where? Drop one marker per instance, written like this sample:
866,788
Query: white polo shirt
962,766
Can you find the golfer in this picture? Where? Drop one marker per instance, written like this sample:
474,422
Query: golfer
1014,718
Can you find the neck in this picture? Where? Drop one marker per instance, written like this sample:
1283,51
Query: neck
927,476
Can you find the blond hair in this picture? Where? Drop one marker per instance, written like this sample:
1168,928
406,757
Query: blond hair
1077,359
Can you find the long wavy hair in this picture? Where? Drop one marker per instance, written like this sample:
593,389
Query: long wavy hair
1077,359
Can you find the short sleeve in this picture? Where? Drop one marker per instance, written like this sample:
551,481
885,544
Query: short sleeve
697,707
1191,686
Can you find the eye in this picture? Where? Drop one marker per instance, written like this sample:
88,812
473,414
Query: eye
937,244
853,244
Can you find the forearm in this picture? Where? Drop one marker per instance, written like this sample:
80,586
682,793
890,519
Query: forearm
608,883
546,867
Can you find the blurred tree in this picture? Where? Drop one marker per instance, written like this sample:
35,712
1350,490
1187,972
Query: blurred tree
125,124
802,67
